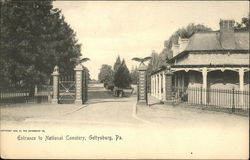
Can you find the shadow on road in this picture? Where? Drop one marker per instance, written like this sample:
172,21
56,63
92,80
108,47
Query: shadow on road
157,103
100,94
105,94
103,101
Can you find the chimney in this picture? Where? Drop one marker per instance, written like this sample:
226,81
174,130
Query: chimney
227,39
183,44
175,48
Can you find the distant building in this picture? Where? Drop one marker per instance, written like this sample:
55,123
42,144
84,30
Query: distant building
210,60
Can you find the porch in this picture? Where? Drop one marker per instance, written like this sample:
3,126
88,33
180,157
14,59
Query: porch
225,86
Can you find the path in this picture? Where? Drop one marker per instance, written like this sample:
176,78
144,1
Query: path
102,108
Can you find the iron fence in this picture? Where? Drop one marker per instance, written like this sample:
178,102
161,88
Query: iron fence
40,94
230,100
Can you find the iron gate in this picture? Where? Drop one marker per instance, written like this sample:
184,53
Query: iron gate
67,89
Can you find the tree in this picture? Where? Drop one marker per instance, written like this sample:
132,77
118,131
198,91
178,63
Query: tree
122,77
106,74
154,62
159,60
34,38
186,32
117,64
244,25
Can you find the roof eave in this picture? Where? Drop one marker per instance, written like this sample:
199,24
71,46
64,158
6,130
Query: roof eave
187,51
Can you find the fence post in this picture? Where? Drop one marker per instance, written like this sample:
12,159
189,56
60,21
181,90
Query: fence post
55,75
233,105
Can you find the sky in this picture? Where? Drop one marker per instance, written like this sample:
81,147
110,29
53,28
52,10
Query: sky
130,29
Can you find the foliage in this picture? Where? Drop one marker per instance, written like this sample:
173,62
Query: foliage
106,74
154,62
186,32
159,60
34,38
117,63
122,78
244,25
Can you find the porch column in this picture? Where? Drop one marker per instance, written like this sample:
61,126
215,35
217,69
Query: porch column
154,85
160,80
151,85
241,83
204,85
182,80
157,86
164,84
78,75
175,80
156,79
55,75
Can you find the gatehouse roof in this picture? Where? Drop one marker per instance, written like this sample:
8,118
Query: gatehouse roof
209,41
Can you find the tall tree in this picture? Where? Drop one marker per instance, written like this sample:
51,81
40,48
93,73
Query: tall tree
244,25
117,63
159,60
34,38
122,77
185,32
106,74
154,62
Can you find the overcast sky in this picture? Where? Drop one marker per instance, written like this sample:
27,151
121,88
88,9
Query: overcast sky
133,29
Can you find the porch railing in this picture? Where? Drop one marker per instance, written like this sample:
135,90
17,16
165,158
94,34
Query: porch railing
224,99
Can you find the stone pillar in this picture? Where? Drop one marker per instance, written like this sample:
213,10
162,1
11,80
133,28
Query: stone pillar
85,85
168,84
78,78
204,85
142,94
55,75
164,89
241,83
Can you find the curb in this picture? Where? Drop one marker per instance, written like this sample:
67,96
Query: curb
140,119
81,107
